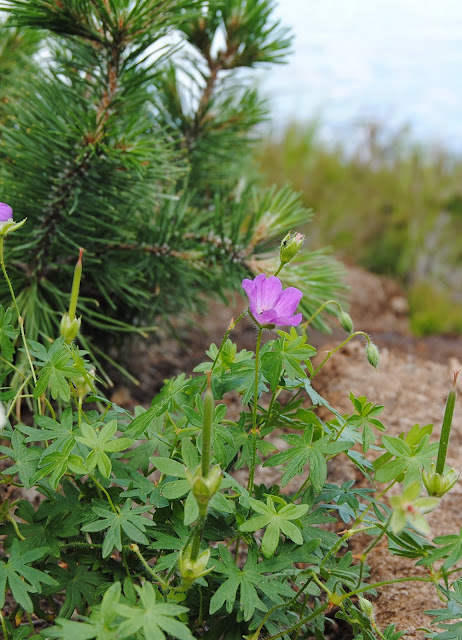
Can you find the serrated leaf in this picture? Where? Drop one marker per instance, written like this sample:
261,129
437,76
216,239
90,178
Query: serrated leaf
22,578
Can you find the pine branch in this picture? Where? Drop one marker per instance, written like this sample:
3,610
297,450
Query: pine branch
112,153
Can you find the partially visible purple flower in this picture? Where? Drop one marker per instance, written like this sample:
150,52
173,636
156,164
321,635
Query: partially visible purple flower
269,304
6,212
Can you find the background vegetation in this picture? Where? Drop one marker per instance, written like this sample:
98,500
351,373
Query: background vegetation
127,129
386,203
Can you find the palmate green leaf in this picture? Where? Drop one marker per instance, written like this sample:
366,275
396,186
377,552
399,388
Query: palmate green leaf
8,333
102,624
319,401
153,618
78,581
44,535
54,465
56,371
245,580
255,581
59,433
21,578
453,611
101,443
227,357
26,459
451,549
287,354
128,520
241,378
409,460
366,419
304,449
174,390
275,522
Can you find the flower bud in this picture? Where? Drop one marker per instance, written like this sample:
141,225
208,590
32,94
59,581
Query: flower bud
204,487
290,246
366,607
372,354
191,570
69,328
437,484
346,322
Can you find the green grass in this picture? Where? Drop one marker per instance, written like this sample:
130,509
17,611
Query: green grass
388,204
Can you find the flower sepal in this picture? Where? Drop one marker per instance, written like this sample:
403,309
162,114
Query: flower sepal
69,328
290,246
191,570
259,325
204,487
437,484
9,226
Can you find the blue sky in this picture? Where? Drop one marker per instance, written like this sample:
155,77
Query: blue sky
399,61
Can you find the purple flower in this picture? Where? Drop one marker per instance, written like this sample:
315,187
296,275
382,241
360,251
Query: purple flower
6,213
269,304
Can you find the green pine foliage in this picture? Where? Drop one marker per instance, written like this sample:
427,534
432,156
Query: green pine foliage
17,66
133,141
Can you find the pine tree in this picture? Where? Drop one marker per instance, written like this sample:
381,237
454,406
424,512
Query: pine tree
133,139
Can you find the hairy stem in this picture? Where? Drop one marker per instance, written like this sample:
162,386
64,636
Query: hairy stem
149,569
231,326
342,344
321,308
15,303
253,459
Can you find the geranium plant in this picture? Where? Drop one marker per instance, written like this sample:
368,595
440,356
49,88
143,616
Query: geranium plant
157,525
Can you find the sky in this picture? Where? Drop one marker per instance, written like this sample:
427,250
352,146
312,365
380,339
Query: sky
397,61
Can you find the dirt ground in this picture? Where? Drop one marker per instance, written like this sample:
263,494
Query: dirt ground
412,382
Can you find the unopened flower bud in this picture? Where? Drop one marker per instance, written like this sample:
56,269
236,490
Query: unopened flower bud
372,354
290,246
437,484
366,607
204,487
191,570
69,328
346,322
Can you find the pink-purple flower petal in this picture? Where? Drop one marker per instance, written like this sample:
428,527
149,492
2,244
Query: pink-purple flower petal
267,317
269,304
271,290
288,301
6,212
289,321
